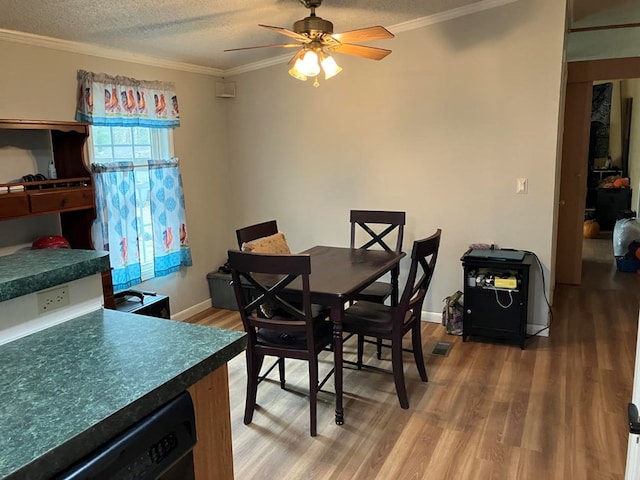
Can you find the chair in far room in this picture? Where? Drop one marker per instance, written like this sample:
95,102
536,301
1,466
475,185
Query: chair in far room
291,331
372,319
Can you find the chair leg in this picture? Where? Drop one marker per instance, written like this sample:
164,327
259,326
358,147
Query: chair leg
416,339
313,395
281,370
360,350
254,364
398,372
379,348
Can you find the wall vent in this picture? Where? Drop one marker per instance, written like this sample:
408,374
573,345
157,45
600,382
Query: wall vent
226,89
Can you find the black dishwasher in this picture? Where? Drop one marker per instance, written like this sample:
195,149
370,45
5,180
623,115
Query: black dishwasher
159,447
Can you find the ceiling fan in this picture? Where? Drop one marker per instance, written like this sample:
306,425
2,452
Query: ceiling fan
314,35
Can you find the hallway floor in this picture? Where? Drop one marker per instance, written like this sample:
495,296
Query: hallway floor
599,266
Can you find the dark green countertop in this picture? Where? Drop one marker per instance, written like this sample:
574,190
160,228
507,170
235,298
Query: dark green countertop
67,389
31,270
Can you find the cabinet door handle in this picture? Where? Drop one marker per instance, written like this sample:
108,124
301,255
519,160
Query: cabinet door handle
469,311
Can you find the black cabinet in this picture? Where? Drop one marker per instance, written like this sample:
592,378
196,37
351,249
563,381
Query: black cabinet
611,203
496,297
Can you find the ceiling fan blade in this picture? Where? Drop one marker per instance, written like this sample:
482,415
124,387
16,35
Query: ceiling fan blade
285,45
363,35
297,56
371,53
288,33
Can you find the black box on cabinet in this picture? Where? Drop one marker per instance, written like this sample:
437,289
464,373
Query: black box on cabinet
221,291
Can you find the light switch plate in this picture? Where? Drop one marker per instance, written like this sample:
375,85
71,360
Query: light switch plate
521,185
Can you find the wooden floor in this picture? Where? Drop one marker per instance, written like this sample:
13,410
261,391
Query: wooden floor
556,410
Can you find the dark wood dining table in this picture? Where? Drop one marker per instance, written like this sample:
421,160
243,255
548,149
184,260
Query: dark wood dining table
337,276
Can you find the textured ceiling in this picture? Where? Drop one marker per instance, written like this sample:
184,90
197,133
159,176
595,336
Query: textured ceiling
197,31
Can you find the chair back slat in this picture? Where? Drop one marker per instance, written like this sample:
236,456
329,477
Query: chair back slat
423,262
253,232
269,294
394,221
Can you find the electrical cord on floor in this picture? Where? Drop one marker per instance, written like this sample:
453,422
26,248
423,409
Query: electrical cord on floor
538,332
544,293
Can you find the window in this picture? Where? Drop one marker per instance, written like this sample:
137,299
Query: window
137,145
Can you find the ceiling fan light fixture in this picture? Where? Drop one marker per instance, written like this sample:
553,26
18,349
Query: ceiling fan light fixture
314,34
295,73
329,66
308,65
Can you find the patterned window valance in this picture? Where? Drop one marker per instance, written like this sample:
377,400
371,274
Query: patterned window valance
125,102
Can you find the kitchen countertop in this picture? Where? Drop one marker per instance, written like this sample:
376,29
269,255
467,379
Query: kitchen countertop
69,388
28,271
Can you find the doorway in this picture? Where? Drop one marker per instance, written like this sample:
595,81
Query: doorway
580,79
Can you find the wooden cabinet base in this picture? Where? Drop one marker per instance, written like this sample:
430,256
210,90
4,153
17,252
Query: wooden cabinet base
213,454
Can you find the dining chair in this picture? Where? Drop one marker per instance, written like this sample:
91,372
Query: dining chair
292,331
393,223
378,228
253,232
373,319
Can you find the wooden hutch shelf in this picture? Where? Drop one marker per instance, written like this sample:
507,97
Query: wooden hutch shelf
45,197
71,195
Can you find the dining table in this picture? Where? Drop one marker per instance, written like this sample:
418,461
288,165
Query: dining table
338,275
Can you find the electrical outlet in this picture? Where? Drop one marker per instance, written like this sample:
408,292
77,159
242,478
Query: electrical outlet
52,299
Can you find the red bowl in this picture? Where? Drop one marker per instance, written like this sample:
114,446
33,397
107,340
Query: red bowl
50,241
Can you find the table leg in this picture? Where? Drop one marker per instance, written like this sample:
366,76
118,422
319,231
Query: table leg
395,288
337,315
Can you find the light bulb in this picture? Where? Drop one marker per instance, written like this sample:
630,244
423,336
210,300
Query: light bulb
295,73
308,65
330,67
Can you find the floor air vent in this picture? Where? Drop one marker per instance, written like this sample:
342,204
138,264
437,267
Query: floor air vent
441,349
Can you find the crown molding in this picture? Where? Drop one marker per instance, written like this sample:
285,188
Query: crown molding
249,67
103,52
448,15
125,56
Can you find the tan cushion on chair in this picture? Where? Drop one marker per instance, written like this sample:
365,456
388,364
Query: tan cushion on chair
275,244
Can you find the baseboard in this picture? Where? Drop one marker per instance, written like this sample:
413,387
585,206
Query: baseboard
433,317
189,312
539,330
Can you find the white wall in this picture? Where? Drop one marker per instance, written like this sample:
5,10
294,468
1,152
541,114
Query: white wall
441,128
20,316
40,83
